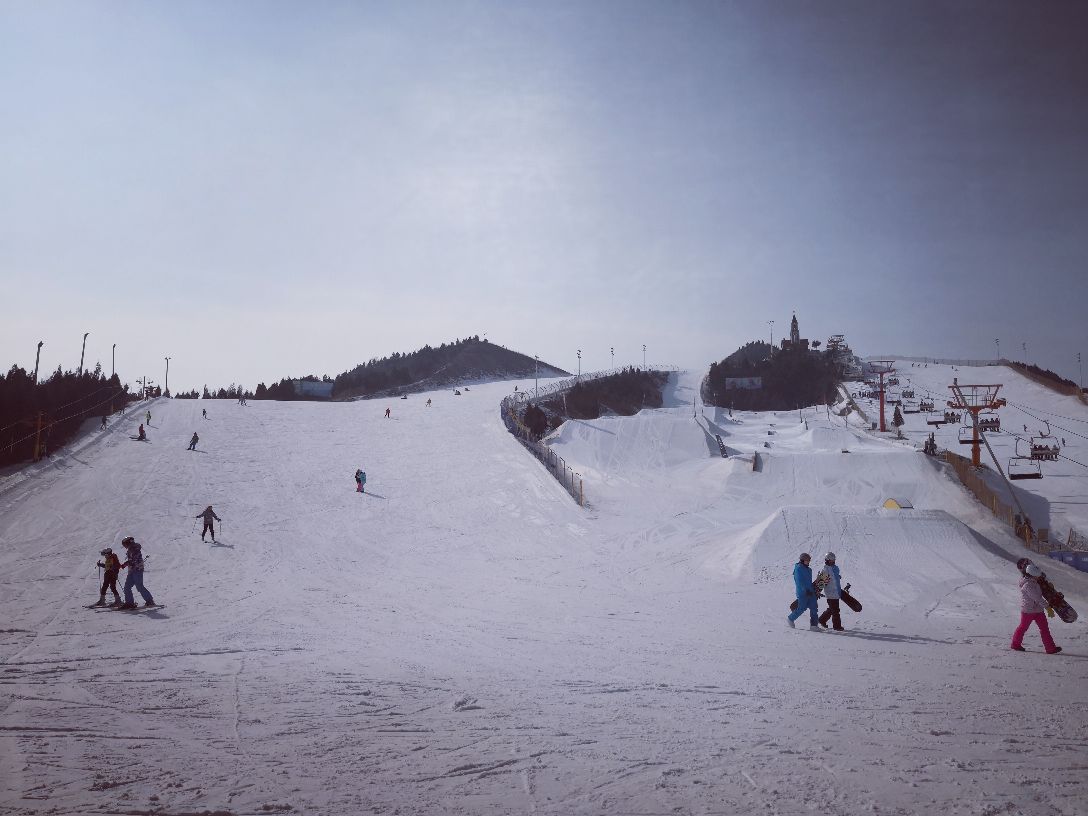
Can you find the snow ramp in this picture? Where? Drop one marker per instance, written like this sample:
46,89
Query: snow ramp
894,558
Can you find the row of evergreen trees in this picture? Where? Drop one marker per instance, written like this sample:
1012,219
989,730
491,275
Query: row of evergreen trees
624,393
57,406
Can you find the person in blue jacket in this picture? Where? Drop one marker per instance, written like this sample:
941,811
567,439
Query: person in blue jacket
806,595
360,481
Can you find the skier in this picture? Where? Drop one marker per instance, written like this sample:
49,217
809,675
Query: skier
806,595
103,422
193,441
387,413
1032,608
832,590
134,560
149,418
208,515
204,412
140,435
360,481
112,565
428,403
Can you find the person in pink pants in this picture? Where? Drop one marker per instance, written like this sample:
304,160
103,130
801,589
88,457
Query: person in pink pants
1032,610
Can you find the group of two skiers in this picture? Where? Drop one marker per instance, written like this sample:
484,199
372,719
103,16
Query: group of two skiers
134,562
828,582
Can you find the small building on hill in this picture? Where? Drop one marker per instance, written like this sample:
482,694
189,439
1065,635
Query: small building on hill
796,342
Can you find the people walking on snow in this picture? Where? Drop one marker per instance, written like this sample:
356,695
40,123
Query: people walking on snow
806,595
193,441
387,413
829,577
140,433
112,566
103,422
134,561
1032,609
208,515
360,481
149,418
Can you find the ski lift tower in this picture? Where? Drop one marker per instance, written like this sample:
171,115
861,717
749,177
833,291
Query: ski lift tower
880,368
973,399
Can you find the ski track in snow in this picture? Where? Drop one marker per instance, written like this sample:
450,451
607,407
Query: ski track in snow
466,640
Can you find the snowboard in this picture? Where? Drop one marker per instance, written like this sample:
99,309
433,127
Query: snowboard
849,599
818,585
1056,601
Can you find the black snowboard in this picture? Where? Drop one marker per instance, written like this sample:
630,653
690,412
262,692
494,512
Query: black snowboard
849,599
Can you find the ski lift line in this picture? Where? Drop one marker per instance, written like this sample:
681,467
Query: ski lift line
1024,410
61,407
54,422
1059,427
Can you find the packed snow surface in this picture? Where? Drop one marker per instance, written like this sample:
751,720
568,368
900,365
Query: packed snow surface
464,639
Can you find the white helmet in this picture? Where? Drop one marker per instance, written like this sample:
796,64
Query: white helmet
829,556
1033,571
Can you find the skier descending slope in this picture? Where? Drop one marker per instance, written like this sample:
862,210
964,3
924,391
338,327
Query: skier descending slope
208,515
806,595
112,565
135,562
360,481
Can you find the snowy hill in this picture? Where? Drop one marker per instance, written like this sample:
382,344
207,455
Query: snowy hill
463,638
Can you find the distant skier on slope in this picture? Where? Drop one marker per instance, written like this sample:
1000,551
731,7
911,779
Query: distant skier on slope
1032,609
193,441
204,412
806,595
387,413
208,515
149,418
134,561
112,566
360,481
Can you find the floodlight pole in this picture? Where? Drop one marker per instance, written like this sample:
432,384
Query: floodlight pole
579,364
41,343
167,391
536,369
613,350
644,357
771,324
82,352
113,361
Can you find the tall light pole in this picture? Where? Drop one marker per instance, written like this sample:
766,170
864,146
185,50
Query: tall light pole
771,324
644,356
613,350
82,351
38,357
536,376
1024,346
997,342
1079,365
113,361
579,363
167,390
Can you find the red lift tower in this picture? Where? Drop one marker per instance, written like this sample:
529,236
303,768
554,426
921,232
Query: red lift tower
881,368
975,398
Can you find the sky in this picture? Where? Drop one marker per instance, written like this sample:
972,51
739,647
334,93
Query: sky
264,190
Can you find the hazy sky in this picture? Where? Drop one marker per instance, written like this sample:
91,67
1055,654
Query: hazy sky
264,189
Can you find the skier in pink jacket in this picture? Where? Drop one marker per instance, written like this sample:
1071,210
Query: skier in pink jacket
1032,610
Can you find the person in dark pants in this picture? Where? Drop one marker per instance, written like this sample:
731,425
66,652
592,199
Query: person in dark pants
193,441
829,577
208,515
134,561
112,565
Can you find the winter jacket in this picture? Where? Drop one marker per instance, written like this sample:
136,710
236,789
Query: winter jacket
111,563
833,588
135,560
1031,596
208,515
802,581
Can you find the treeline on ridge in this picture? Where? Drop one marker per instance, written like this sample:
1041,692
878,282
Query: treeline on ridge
624,393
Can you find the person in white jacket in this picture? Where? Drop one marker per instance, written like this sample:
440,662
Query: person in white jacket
832,589
1032,610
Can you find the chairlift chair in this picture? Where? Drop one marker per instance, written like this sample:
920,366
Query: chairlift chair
935,418
1024,467
967,436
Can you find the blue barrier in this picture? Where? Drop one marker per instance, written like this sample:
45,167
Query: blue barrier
1074,558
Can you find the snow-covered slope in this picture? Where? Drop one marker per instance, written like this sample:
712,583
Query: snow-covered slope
464,639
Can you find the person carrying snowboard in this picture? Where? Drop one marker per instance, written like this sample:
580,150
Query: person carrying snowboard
1032,609
806,595
134,561
829,576
112,565
360,481
208,515
193,441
